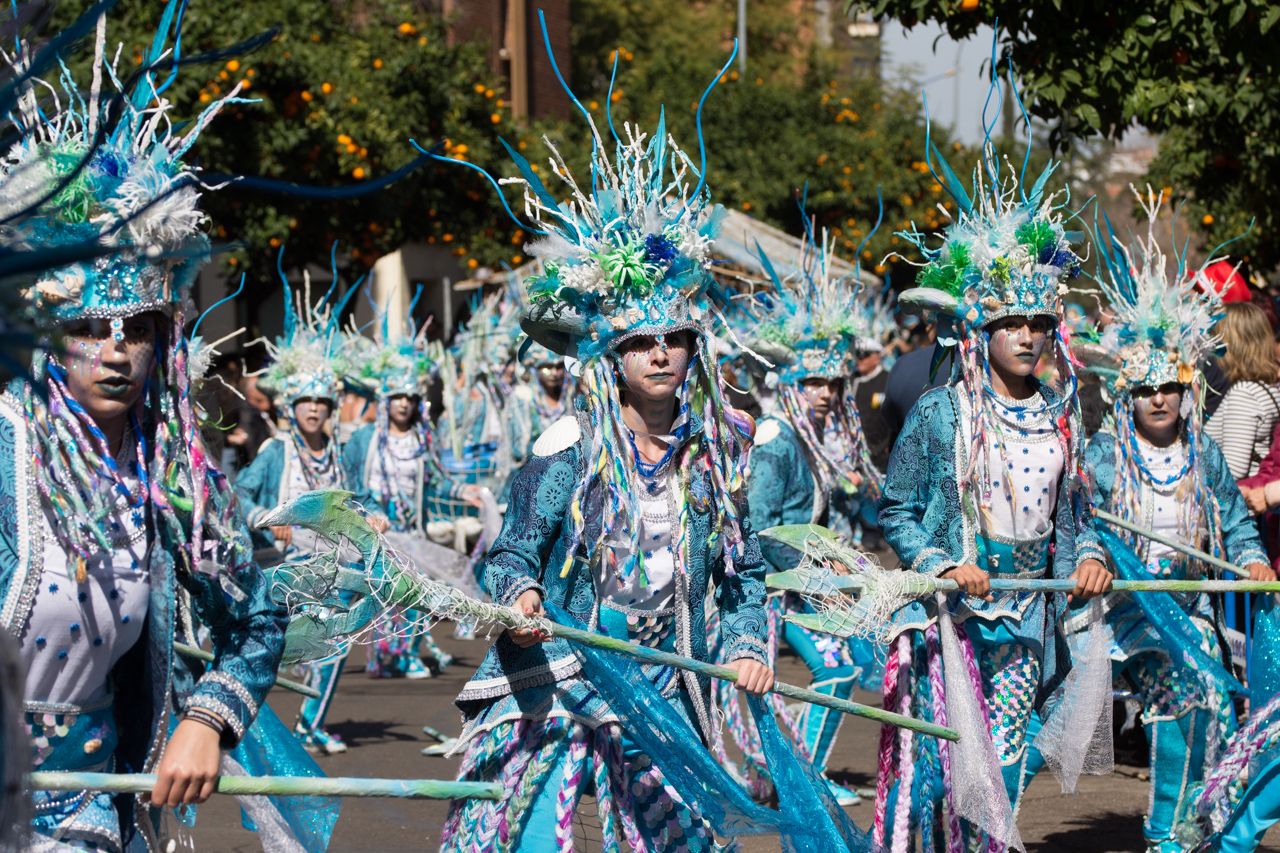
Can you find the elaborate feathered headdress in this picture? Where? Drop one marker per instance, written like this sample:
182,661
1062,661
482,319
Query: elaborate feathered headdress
1163,323
124,186
811,322
308,359
398,361
1005,254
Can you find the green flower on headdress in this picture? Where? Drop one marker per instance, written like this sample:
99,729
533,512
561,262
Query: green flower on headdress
947,273
626,268
74,202
1002,269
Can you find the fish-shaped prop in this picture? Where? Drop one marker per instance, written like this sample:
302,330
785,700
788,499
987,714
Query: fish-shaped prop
854,596
332,604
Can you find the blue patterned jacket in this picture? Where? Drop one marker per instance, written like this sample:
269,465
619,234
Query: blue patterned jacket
357,464
150,683
1240,537
781,488
531,548
924,523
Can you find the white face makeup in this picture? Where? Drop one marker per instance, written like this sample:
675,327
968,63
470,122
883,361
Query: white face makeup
1157,412
311,415
400,409
551,377
820,395
104,375
654,367
1015,344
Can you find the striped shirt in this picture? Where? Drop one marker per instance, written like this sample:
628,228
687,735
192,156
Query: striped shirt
1243,423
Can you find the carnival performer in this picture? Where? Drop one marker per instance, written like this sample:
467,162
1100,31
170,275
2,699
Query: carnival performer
809,451
393,466
984,478
629,513
477,440
543,394
114,508
1157,468
304,374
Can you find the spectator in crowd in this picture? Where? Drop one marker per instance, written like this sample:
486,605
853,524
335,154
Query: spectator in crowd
1250,409
868,393
910,378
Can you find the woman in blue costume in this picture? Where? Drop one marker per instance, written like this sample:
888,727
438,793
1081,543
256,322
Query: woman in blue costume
806,454
984,479
1157,468
393,466
629,513
543,394
112,507
304,374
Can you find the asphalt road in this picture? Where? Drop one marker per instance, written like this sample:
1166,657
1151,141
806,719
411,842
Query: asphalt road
382,722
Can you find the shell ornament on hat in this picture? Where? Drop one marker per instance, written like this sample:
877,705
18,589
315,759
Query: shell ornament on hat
122,185
308,359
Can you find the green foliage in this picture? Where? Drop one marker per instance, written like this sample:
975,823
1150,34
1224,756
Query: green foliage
1201,74
785,124
341,90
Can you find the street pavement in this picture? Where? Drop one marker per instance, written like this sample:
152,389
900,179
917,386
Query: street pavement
381,721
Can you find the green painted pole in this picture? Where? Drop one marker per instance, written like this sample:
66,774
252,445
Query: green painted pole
648,655
1171,543
201,655
275,786
795,583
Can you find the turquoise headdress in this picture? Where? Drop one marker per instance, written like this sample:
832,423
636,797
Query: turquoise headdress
308,359
1006,252
812,322
398,362
123,185
629,254
1163,323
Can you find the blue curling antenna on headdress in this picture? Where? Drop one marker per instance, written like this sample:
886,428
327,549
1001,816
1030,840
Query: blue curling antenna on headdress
80,174
308,359
1006,252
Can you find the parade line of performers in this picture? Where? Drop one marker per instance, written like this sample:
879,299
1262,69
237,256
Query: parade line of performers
593,467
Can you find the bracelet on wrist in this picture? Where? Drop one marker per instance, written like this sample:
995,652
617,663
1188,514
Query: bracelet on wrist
207,718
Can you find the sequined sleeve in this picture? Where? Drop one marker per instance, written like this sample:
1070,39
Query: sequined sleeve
769,482
740,597
540,494
247,628
920,492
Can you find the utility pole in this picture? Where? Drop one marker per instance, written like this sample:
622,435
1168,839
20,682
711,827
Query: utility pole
742,36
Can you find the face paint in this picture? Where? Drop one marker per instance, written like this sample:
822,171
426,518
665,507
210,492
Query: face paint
400,410
820,395
655,367
1015,344
107,363
1157,412
311,414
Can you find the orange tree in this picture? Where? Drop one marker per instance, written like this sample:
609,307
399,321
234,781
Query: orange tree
788,122
340,90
